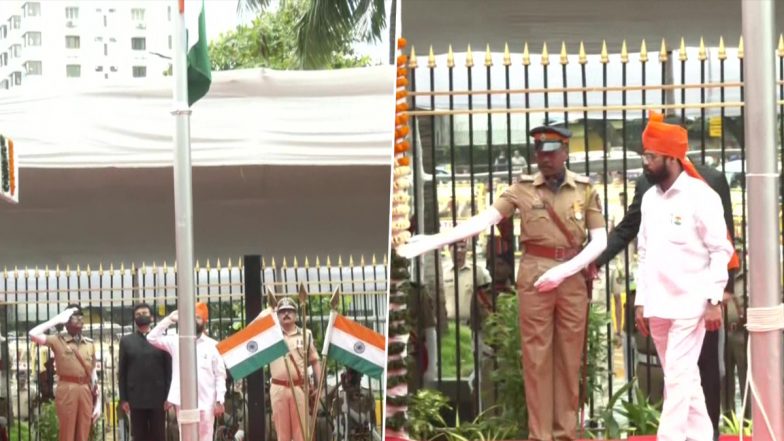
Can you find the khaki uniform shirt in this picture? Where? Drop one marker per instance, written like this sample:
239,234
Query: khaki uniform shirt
296,342
576,203
63,345
465,288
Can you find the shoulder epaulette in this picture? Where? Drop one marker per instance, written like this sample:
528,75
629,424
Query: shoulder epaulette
525,178
582,179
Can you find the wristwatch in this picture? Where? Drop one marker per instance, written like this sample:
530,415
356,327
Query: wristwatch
714,302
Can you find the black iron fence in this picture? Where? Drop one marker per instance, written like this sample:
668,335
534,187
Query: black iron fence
470,117
107,296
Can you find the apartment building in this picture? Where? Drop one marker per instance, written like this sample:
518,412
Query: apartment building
67,41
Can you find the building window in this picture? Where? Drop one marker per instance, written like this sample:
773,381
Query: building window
15,22
168,12
4,84
72,42
73,71
16,78
32,39
170,41
139,43
3,32
105,49
72,13
31,9
14,50
33,67
137,14
3,59
139,71
99,68
105,22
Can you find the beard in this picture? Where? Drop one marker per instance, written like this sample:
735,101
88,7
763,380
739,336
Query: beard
656,177
199,328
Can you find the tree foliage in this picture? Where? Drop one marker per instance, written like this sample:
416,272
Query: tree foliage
271,41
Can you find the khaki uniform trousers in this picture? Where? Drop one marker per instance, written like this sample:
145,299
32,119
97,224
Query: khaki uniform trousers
284,412
74,404
552,329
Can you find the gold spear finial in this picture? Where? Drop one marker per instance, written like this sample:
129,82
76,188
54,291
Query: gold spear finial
154,267
46,271
296,263
274,265
57,270
329,261
605,58
526,55
507,55
351,260
682,51
78,270
197,267
643,52
285,264
702,55
67,270
722,49
564,55
385,259
122,268
412,61
583,58
100,269
307,262
335,299
624,53
450,58
271,300
780,49
545,55
469,57
111,267
318,263
263,262
488,57
165,267
663,52
740,48
431,58
303,294
373,260
362,260
340,261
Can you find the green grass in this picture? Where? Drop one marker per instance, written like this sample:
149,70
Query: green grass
14,434
449,352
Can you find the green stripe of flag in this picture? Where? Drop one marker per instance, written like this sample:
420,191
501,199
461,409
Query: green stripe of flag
199,75
357,363
258,361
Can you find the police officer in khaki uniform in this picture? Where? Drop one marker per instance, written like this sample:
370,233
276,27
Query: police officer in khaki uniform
290,411
74,359
557,208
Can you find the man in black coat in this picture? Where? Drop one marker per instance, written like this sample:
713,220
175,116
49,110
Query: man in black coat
144,376
626,231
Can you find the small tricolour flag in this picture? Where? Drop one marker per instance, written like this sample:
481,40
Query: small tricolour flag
355,346
255,346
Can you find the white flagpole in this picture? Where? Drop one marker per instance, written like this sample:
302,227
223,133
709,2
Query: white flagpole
183,217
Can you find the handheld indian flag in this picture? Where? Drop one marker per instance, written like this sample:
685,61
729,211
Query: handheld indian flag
255,346
354,345
197,46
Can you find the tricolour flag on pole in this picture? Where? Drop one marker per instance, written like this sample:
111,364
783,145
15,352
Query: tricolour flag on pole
199,72
355,346
255,346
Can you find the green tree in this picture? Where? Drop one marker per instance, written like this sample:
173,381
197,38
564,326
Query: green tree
271,41
328,27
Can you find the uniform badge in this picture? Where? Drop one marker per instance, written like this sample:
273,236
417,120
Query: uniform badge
578,210
676,219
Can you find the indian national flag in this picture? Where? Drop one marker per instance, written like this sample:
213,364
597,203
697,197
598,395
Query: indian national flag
257,345
199,72
355,346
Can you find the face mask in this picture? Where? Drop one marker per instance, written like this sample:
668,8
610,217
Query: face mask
199,328
143,320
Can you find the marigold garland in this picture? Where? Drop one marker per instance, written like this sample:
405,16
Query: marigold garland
397,375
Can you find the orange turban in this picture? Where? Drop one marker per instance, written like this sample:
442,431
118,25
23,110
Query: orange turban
202,311
673,140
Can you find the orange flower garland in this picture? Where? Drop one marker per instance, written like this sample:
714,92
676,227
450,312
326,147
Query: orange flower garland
402,165
8,173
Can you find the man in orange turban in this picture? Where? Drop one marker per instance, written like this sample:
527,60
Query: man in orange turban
211,371
684,254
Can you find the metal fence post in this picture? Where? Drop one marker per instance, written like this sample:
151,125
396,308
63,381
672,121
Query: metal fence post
256,398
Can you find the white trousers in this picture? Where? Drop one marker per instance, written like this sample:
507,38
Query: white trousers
206,424
684,415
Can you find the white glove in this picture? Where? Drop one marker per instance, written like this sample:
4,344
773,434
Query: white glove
418,245
63,317
552,278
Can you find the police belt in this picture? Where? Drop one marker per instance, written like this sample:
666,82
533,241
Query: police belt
559,254
298,383
74,379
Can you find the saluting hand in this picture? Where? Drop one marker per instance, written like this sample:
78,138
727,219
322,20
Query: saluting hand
416,246
63,317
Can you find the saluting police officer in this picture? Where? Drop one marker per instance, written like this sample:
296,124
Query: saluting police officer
558,209
74,357
289,373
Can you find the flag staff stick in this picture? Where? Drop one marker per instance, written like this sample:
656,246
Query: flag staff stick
303,301
183,214
332,314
